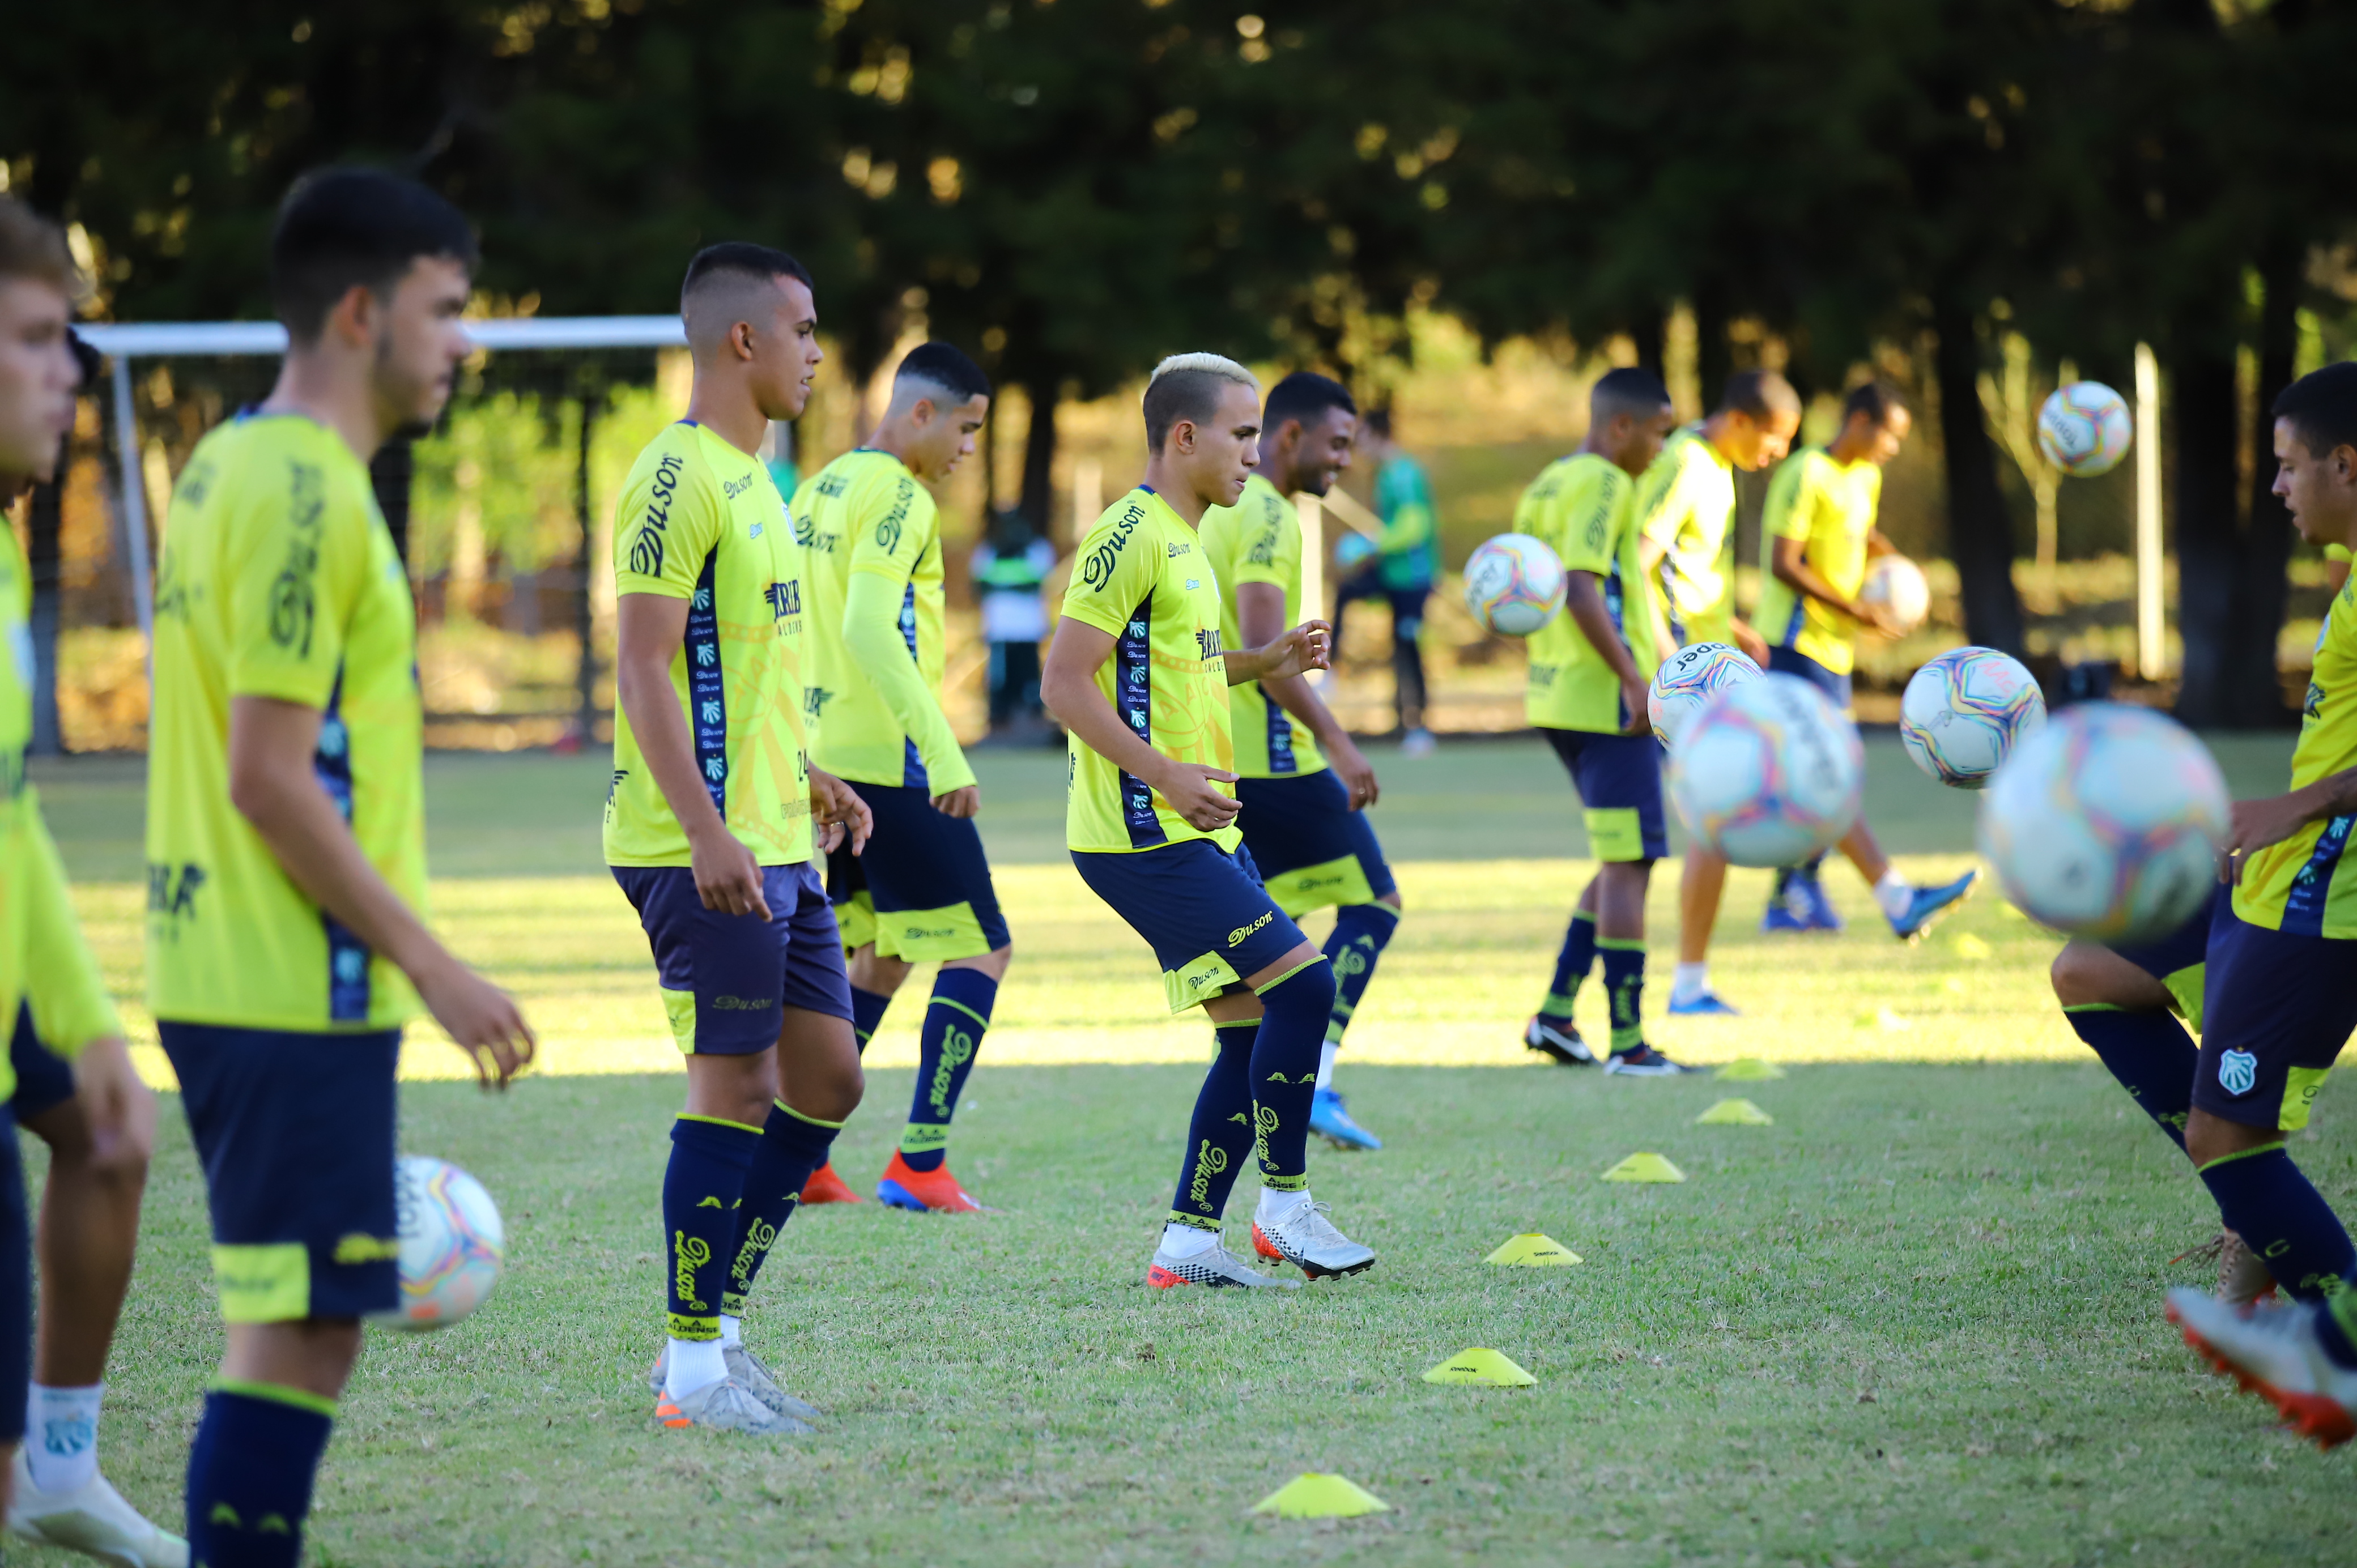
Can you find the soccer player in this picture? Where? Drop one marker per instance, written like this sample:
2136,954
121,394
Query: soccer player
1589,671
96,1116
708,827
1685,526
286,838
1817,535
871,541
2278,996
1304,813
1401,572
1138,675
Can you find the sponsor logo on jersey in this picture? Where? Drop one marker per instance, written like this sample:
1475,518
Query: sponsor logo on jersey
740,1004
1097,570
731,488
1241,932
654,526
172,890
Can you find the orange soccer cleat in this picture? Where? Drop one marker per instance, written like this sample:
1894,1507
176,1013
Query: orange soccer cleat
935,1191
825,1186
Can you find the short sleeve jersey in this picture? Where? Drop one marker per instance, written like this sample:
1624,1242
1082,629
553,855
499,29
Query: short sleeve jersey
865,512
1140,576
2306,886
1830,507
1584,507
700,521
1258,540
279,580
1686,505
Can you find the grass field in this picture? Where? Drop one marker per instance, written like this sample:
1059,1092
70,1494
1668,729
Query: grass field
1913,1322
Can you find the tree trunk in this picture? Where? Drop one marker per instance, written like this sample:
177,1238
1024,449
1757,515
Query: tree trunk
1714,355
1651,329
2264,584
1980,530
43,558
2229,582
1039,502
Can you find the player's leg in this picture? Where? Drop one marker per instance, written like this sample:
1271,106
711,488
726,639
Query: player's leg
1550,1030
16,1301
1407,669
1911,910
1620,779
1702,883
1361,931
2302,1357
2124,1004
874,980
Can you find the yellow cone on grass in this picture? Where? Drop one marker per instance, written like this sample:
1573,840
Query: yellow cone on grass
1734,1113
1532,1249
1644,1167
1971,946
1493,1368
1313,1496
1751,1070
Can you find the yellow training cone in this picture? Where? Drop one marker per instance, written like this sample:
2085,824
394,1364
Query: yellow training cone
1479,1366
1644,1167
1532,1249
1734,1113
1313,1496
1971,946
1751,1070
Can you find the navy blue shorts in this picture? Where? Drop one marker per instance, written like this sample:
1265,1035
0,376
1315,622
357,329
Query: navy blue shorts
1202,909
44,1079
2177,960
16,1284
2277,1009
295,1133
921,891
1786,662
1312,851
1619,777
727,979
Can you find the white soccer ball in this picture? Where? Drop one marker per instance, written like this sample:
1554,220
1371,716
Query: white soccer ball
1513,585
1964,712
1685,681
1769,772
2106,823
2084,429
451,1244
1895,584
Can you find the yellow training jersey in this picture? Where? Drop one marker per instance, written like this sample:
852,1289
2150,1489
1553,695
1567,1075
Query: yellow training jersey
1686,505
1584,507
1830,507
872,681
1142,577
279,580
700,521
2306,886
1258,540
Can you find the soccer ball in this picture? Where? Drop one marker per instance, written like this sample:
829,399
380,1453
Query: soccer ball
2085,428
1685,681
1965,711
1513,585
1894,583
2106,823
1769,772
451,1244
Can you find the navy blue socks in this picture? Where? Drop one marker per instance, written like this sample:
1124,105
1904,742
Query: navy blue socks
793,1146
2149,1053
954,1021
703,1186
250,1474
2263,1198
1361,931
1284,1072
1571,965
867,1010
1624,986
1219,1138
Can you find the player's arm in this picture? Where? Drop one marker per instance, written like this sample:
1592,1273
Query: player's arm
1068,686
836,809
1790,565
1753,645
879,579
1291,653
72,1012
2256,824
1260,618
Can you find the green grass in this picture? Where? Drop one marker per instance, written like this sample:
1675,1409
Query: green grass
1913,1322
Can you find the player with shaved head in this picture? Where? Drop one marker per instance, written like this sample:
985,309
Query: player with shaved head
1139,674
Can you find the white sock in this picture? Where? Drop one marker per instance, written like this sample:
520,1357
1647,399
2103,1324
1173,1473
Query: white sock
1893,893
732,1331
1276,1206
1188,1240
1326,1064
695,1364
62,1436
1689,981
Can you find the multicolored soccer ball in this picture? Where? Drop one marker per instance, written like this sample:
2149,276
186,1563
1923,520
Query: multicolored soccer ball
2084,429
2107,823
1964,712
1686,680
1513,585
1895,584
1769,772
451,1244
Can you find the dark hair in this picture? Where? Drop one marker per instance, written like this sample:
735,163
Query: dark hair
740,259
1630,390
354,228
2322,408
33,248
1760,393
945,366
1378,423
1305,395
1875,399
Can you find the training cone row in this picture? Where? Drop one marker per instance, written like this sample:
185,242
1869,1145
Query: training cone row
1313,1496
1494,1369
1644,1167
1734,1113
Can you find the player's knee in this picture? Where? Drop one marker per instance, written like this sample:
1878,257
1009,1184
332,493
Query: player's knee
994,963
2209,1138
2070,974
1393,899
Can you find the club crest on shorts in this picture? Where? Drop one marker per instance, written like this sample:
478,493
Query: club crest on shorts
2237,1071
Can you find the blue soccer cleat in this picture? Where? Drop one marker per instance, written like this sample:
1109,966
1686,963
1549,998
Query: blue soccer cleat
1330,1119
1812,890
1798,903
1702,1004
1926,905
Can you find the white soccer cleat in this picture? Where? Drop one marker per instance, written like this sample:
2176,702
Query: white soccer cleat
2274,1352
1219,1268
727,1406
92,1520
1308,1240
747,1368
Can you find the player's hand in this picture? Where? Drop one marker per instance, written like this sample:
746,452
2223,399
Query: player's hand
2253,825
1753,645
1307,646
727,875
481,1020
1633,696
960,803
1188,788
1879,621
119,1108
1358,776
837,810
